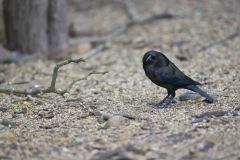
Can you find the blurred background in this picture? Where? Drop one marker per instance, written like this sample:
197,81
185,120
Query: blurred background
57,28
109,116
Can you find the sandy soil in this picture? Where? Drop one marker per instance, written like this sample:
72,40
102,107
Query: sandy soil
90,122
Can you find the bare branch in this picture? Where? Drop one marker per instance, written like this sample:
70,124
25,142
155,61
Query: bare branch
77,80
12,91
132,20
156,17
52,89
103,39
132,117
211,44
94,51
59,65
129,11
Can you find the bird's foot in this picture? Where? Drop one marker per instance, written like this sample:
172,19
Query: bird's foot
166,103
162,105
208,100
155,104
158,104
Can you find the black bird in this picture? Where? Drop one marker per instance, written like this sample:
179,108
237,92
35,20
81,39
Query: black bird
161,71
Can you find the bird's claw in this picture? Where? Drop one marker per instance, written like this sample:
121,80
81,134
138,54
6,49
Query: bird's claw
163,104
208,101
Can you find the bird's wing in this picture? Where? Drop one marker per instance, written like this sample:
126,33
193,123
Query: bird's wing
178,80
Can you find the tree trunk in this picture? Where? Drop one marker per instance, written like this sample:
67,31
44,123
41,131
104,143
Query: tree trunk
57,25
26,25
35,26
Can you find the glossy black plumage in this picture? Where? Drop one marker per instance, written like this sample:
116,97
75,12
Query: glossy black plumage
161,71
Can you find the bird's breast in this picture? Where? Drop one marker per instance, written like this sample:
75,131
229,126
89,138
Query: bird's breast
152,74
149,71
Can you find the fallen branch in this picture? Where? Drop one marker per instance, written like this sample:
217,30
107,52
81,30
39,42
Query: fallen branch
119,152
129,11
52,88
80,79
132,117
132,20
11,91
59,65
103,39
212,114
94,51
220,41
107,116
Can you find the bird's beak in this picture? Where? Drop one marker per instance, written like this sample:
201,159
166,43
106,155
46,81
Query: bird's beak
149,58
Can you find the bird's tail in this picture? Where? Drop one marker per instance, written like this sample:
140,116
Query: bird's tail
196,89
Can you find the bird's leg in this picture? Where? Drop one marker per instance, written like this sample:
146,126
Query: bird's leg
161,102
164,99
168,100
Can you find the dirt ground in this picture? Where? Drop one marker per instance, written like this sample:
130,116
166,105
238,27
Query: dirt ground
110,116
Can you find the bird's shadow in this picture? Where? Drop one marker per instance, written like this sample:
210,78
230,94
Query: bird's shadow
158,105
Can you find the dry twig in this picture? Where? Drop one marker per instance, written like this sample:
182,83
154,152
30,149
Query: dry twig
52,88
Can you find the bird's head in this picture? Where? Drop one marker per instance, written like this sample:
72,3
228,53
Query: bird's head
155,58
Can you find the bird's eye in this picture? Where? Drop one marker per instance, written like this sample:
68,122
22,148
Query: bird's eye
151,58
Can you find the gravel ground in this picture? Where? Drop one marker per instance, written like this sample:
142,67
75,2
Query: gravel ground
110,116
